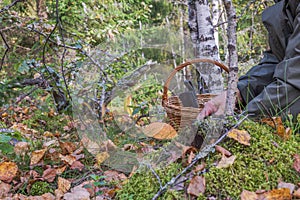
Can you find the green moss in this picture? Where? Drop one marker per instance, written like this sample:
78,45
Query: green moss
259,166
144,185
40,188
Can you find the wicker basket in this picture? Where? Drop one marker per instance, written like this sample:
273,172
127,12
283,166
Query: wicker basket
180,116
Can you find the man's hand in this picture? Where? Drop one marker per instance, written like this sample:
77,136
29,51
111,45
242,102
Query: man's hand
214,106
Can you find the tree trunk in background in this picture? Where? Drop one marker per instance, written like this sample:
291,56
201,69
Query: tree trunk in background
232,57
215,19
202,35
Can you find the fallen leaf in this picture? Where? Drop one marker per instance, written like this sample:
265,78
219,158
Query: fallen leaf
60,170
111,175
276,122
226,162
77,165
77,192
68,159
241,136
67,147
49,175
4,189
199,168
296,164
297,193
63,184
277,194
36,156
21,148
247,195
160,131
290,186
196,186
8,171
101,157
222,150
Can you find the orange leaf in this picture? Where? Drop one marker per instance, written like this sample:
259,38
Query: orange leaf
277,194
226,162
290,186
37,156
241,136
8,171
160,131
247,195
196,186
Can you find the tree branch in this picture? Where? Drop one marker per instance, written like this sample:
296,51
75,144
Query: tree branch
6,50
202,154
9,6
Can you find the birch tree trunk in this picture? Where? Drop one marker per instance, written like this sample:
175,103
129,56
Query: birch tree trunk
202,35
215,19
232,58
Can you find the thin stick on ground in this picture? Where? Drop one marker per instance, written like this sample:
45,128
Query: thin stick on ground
202,154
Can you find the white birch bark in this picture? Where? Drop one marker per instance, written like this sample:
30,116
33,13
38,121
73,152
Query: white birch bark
202,35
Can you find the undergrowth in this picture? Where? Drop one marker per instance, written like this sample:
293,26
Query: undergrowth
261,165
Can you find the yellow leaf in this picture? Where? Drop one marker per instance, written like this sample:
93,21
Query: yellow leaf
226,162
8,171
37,156
160,131
127,104
101,157
241,136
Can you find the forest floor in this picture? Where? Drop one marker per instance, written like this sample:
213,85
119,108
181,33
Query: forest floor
44,157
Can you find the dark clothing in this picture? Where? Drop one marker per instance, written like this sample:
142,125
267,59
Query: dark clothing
273,86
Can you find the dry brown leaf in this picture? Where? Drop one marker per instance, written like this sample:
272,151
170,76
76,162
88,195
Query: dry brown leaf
247,195
4,189
63,184
8,171
36,156
160,131
111,175
277,194
296,164
241,136
290,186
222,150
21,148
77,192
60,170
199,168
77,165
226,162
297,193
68,159
49,175
101,157
196,186
67,147
276,122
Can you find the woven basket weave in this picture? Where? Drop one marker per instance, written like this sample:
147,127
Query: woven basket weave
178,115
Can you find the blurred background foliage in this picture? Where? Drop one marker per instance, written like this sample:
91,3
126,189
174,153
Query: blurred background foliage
48,41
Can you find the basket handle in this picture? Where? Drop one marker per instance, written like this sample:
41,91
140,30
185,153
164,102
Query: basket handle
183,65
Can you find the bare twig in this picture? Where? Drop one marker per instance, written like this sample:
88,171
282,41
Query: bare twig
10,5
6,50
155,174
202,154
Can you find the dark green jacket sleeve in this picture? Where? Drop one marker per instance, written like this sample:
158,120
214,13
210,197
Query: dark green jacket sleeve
282,94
